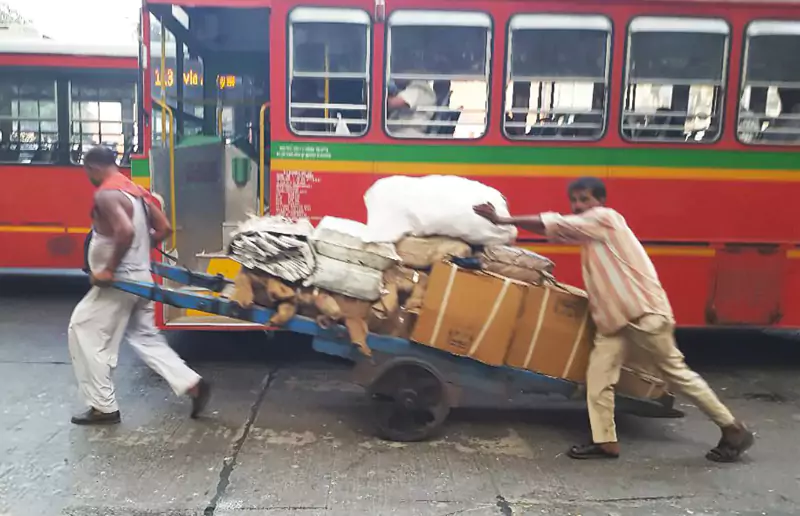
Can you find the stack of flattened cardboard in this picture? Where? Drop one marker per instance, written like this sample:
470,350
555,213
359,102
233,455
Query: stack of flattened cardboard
500,321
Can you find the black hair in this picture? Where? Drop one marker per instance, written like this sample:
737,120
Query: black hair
100,156
593,184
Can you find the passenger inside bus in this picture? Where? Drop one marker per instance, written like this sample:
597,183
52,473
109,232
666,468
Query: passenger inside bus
584,125
785,129
440,71
412,107
448,117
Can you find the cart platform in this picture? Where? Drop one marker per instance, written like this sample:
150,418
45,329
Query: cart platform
412,386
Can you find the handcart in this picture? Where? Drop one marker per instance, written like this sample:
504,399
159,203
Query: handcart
412,387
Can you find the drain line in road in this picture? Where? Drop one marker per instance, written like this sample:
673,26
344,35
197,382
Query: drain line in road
229,463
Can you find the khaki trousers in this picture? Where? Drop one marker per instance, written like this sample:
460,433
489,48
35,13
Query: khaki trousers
653,335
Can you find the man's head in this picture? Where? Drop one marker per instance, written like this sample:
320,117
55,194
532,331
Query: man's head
99,162
586,193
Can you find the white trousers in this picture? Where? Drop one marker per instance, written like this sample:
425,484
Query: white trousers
98,324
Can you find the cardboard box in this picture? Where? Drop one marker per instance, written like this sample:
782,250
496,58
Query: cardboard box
398,324
554,333
469,313
640,385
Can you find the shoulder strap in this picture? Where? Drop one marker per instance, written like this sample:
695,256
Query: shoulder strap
146,208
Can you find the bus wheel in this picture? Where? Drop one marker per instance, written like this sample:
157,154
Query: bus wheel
409,403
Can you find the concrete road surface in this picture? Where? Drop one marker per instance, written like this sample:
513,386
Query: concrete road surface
287,434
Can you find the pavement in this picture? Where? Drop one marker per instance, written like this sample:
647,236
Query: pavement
288,434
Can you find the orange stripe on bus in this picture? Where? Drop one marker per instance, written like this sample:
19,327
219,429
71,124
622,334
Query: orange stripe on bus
534,170
43,229
651,250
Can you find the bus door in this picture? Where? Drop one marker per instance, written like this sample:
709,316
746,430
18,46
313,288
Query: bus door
210,97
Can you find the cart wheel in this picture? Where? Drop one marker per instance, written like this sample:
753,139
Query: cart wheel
409,403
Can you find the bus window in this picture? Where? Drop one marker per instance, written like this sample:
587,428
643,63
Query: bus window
437,74
674,79
192,82
28,120
102,114
557,76
769,108
328,71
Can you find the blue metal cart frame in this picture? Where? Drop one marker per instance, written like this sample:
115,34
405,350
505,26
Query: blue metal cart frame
413,387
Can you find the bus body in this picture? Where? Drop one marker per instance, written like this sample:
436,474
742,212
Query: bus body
56,101
689,110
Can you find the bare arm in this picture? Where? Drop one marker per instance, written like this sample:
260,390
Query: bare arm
532,223
162,229
112,210
564,228
396,102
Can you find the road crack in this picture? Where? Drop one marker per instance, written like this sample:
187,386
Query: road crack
229,463
639,499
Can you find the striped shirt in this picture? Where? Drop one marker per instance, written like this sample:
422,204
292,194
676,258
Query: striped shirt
620,279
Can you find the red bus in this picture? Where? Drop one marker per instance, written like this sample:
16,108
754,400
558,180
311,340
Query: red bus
689,110
56,101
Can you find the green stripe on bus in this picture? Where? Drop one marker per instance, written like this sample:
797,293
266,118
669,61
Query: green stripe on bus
533,154
140,167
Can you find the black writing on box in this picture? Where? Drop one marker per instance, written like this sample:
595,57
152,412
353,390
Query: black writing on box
460,339
571,308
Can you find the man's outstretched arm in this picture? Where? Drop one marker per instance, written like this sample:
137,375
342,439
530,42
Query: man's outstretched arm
532,223
563,228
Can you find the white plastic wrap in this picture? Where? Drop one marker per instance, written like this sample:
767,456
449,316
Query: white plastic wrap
343,240
434,205
348,279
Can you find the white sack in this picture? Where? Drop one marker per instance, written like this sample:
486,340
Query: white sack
434,205
343,239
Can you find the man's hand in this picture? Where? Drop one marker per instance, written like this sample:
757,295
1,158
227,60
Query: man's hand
488,212
103,278
532,223
160,228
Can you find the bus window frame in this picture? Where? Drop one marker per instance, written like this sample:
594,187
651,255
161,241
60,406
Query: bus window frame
490,57
368,78
58,77
134,121
63,76
742,85
724,87
610,47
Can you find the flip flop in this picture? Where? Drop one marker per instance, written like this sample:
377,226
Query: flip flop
590,451
728,452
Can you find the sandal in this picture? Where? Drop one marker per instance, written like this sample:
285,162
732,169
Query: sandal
591,451
727,451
